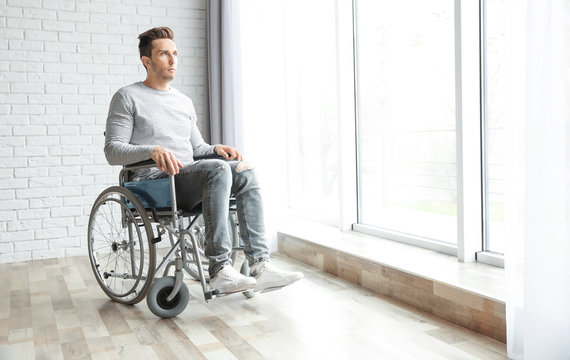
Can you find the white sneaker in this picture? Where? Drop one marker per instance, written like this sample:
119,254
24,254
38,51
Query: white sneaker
270,277
229,280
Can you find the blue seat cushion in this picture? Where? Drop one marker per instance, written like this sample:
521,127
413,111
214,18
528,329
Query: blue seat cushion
156,194
152,193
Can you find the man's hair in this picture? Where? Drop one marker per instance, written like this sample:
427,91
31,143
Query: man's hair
146,38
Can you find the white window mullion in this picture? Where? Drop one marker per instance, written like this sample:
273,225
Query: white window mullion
468,127
347,121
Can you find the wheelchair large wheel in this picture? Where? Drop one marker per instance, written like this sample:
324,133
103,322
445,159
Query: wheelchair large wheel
120,251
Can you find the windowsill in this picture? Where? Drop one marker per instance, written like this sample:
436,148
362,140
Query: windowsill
476,277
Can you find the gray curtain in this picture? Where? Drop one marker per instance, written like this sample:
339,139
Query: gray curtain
224,73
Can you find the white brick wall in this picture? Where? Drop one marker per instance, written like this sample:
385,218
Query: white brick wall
60,63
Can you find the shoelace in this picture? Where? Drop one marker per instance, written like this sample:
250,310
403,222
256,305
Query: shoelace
230,275
271,269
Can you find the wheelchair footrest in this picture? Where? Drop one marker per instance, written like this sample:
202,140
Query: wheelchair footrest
211,294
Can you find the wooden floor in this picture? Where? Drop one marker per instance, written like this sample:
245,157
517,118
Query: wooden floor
54,309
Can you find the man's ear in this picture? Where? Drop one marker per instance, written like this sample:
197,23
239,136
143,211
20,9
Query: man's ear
145,60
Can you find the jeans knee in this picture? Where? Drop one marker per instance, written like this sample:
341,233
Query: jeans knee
244,166
220,171
244,181
246,176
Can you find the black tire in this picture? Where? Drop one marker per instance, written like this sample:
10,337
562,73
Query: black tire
121,254
157,302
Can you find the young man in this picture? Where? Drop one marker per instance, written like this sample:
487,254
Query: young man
150,119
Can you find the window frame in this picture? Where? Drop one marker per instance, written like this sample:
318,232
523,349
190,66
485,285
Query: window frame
485,255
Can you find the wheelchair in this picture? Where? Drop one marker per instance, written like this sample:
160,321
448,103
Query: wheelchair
123,245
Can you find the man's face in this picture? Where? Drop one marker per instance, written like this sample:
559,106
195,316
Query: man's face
163,60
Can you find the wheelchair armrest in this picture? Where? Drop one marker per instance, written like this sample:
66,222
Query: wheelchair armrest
140,165
210,156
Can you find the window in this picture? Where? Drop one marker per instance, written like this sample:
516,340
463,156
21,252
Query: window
406,123
311,107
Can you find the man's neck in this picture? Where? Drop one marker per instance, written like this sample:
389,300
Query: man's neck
156,84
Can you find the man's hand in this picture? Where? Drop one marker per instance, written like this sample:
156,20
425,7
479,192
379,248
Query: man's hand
228,152
165,160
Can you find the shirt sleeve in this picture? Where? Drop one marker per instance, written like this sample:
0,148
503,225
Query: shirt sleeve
199,146
120,121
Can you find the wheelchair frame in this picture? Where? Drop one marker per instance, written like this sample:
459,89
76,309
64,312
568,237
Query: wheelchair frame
166,296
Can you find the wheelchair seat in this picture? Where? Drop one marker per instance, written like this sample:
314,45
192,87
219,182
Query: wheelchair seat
156,194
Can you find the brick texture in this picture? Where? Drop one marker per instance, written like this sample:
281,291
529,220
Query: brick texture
61,63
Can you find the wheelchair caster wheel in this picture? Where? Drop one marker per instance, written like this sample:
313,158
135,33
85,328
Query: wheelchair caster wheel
157,298
245,271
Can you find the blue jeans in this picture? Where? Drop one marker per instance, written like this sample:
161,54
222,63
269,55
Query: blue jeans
213,182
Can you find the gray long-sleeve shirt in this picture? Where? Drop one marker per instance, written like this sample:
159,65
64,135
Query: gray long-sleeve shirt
141,118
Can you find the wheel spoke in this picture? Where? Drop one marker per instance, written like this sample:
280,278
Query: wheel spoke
109,258
111,224
106,215
102,232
